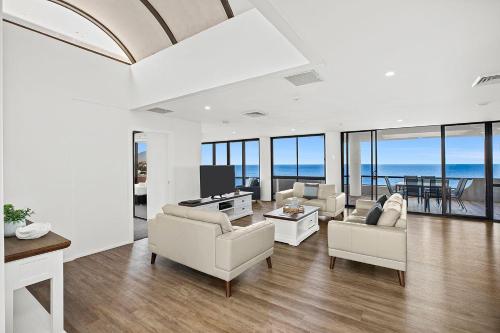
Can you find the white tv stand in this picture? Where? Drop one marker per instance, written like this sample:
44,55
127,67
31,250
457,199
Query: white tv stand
235,206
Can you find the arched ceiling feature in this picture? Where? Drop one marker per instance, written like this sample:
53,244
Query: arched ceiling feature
144,27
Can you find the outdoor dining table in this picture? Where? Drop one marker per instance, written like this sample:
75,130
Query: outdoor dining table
436,185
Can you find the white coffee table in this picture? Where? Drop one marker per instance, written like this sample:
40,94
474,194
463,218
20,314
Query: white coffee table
294,228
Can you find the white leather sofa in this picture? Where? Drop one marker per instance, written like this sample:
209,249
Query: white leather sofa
330,203
379,245
206,241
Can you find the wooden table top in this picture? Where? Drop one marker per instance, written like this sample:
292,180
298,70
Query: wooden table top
278,214
16,249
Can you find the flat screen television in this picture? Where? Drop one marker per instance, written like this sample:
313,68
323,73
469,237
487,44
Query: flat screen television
216,180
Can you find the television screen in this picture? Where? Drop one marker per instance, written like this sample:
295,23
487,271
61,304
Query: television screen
216,180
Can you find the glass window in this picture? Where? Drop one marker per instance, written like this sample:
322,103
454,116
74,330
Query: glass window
311,162
221,153
285,157
465,177
236,159
252,158
207,154
410,158
496,171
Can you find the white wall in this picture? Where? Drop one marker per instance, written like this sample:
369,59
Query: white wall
265,168
2,273
68,141
333,159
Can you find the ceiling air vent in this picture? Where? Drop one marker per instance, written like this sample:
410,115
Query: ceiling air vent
160,110
304,78
254,114
486,79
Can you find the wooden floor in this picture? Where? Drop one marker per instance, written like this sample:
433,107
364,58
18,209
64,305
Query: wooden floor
453,285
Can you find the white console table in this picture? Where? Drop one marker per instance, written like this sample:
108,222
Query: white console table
234,205
28,262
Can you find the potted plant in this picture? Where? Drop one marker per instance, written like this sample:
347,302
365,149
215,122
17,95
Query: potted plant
14,218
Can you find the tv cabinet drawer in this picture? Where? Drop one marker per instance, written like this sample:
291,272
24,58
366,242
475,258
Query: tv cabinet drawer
243,201
242,210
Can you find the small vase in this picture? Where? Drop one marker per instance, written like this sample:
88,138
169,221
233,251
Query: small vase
10,228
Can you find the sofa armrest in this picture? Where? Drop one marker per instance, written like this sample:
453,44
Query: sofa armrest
237,247
370,240
281,196
335,203
363,204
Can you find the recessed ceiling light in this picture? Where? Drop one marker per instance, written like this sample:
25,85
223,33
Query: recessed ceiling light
293,130
400,120
207,107
234,132
390,73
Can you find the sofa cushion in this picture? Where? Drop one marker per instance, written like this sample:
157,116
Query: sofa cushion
298,189
300,200
355,219
317,203
211,217
374,214
382,200
311,191
390,215
325,190
360,212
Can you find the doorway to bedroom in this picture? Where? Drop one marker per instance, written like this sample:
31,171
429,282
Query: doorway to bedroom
140,185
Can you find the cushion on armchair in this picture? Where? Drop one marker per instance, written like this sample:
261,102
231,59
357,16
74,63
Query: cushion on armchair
298,190
325,190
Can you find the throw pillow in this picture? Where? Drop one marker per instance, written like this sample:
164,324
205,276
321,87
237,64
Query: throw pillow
396,197
390,215
311,191
382,200
374,214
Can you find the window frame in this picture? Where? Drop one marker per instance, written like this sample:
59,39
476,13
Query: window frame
243,157
297,177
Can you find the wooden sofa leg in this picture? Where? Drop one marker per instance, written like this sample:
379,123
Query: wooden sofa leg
269,263
228,288
332,262
153,258
401,278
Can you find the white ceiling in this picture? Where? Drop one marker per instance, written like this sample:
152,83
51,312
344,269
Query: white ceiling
55,19
436,48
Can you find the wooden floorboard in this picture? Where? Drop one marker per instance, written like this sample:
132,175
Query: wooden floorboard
453,285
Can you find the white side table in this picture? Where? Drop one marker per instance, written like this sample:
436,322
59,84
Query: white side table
32,261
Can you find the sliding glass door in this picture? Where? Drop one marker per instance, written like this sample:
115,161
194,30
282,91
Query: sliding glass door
409,162
445,169
496,170
465,180
359,171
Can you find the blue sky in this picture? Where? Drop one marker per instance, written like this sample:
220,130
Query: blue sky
459,150
142,147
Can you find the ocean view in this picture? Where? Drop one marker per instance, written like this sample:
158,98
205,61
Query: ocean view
394,170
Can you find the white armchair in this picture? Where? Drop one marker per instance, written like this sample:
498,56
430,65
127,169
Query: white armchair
330,203
206,241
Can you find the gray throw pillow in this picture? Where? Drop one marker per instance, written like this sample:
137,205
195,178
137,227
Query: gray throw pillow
311,191
382,200
374,214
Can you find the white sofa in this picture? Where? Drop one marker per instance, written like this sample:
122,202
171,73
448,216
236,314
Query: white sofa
379,245
206,241
330,203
